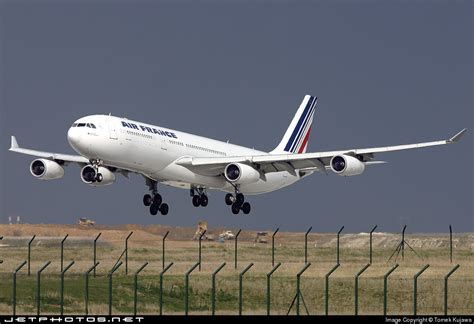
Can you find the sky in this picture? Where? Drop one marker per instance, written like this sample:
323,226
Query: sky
385,73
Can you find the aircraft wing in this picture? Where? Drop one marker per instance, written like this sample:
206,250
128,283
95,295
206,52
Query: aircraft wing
318,161
14,147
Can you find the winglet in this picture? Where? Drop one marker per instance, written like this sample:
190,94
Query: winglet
14,143
457,137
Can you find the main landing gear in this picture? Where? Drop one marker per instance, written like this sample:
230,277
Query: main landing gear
199,197
155,201
238,203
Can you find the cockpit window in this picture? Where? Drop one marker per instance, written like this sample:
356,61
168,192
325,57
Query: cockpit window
88,125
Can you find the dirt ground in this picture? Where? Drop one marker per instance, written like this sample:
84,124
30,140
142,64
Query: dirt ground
155,233
145,245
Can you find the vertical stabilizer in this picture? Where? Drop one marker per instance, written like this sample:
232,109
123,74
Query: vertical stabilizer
296,137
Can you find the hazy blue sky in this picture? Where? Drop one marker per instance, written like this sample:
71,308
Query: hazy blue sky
385,73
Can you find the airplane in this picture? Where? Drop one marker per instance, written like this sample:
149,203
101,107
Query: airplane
109,145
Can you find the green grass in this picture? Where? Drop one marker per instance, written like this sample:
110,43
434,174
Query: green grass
184,255
341,296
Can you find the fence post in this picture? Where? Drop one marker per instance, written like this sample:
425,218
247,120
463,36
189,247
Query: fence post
446,287
241,276
1,238
38,287
213,291
415,287
298,289
86,291
450,244
273,246
62,251
306,245
135,299
385,286
186,288
110,274
200,240
338,234
126,253
370,244
163,257
62,285
403,243
29,254
161,284
14,285
269,275
235,248
95,251
327,288
356,288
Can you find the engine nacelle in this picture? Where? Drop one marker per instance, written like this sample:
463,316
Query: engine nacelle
239,173
89,176
345,165
46,169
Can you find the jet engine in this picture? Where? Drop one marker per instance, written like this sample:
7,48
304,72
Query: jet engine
345,165
46,169
102,177
239,173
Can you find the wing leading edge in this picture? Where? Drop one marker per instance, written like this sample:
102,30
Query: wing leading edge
317,161
14,147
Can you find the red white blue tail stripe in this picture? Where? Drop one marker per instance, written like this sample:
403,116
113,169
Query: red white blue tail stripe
299,137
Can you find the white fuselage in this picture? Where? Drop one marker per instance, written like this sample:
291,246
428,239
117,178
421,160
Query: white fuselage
152,151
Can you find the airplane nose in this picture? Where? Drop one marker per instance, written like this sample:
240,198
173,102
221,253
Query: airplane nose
73,137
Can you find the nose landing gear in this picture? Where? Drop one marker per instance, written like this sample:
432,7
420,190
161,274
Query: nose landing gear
95,176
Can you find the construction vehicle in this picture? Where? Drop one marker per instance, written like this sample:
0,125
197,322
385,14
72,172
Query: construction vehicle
86,222
261,237
227,235
201,227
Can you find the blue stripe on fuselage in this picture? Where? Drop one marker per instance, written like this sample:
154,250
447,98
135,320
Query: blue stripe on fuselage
298,126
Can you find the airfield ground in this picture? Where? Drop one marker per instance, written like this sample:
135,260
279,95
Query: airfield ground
146,245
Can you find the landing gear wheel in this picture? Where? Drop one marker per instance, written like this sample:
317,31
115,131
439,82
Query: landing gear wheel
235,208
157,200
147,200
100,177
154,209
240,198
196,201
204,200
246,208
164,209
229,199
